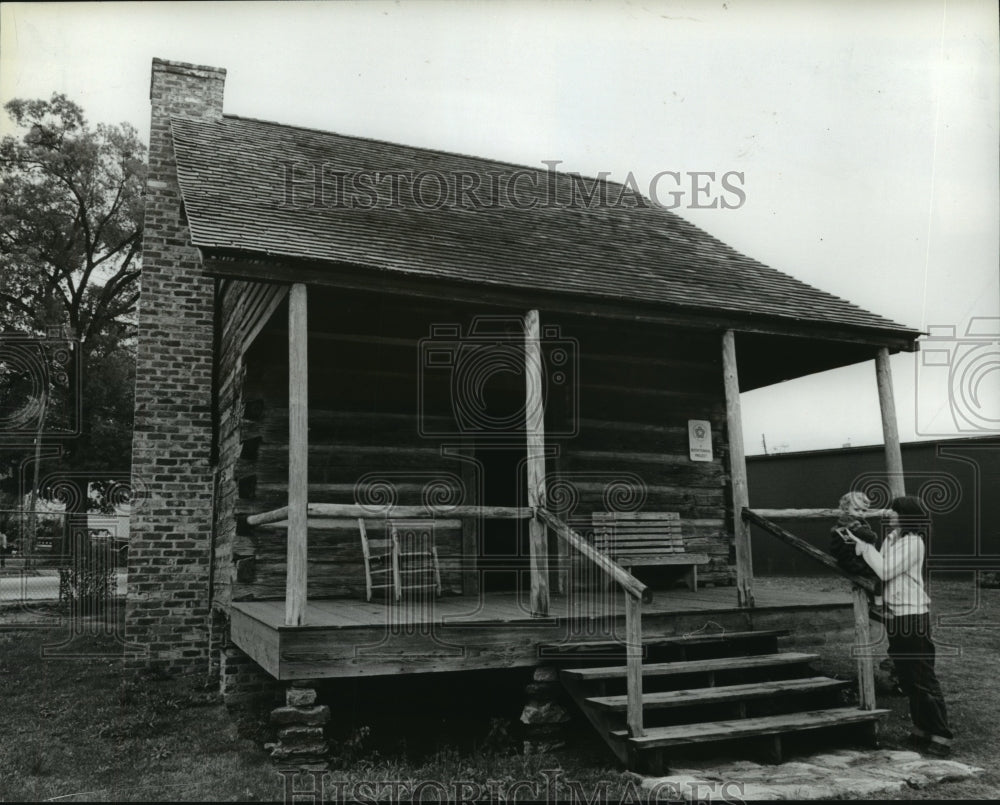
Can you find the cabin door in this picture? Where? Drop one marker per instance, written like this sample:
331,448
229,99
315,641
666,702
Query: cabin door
504,555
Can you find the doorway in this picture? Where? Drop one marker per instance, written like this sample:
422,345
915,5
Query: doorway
504,554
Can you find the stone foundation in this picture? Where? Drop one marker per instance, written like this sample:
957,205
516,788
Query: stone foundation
301,742
544,715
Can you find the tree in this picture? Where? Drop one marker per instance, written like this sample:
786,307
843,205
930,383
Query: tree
71,207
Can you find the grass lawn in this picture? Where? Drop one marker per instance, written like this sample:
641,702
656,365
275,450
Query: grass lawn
75,727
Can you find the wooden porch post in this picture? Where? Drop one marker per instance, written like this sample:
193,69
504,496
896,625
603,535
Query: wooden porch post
298,456
863,640
890,431
535,428
737,471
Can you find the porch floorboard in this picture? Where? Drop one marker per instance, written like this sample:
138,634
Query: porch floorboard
506,607
349,637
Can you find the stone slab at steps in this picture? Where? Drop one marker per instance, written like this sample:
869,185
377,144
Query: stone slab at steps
842,774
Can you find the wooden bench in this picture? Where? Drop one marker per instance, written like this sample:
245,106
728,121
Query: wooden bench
646,538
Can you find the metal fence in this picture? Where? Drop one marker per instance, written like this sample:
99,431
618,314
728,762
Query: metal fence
60,557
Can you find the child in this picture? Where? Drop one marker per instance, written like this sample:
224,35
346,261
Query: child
853,506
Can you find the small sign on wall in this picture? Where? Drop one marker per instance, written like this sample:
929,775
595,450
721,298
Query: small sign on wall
700,439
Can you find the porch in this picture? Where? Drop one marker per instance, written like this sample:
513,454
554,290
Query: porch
345,637
321,628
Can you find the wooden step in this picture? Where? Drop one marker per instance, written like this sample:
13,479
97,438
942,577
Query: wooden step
584,646
692,666
747,727
724,693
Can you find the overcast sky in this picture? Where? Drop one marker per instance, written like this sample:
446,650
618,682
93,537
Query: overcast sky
867,135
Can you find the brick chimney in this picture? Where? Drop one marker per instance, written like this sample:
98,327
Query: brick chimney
177,88
167,617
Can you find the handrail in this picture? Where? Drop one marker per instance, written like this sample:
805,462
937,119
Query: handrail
354,510
629,583
636,593
860,589
754,516
818,514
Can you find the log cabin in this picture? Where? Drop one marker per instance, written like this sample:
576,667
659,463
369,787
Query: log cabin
404,411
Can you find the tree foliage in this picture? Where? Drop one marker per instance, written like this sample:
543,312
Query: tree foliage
71,208
70,221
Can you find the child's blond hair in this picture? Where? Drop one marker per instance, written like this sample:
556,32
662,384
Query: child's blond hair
852,500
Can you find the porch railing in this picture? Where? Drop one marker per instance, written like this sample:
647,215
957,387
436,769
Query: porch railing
296,572
354,510
298,535
636,593
860,588
812,514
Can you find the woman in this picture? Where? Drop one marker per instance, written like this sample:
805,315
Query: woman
899,564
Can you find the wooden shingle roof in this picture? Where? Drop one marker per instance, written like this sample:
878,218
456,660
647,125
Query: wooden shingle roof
233,174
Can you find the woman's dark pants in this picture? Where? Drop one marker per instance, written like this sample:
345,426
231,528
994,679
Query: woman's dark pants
912,651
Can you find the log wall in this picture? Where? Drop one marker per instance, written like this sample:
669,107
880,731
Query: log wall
626,443
383,427
366,444
241,309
